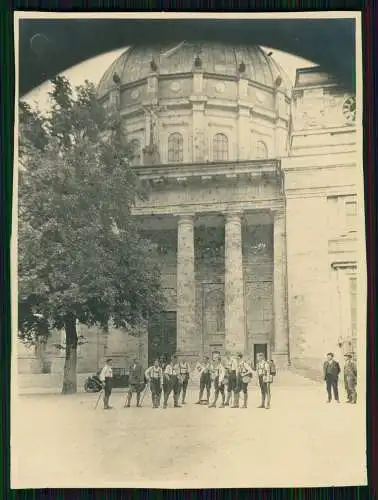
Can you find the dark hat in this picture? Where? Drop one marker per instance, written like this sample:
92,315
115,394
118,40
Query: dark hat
108,360
330,354
348,355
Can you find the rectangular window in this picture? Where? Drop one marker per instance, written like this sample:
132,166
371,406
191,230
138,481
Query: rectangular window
342,215
351,215
353,311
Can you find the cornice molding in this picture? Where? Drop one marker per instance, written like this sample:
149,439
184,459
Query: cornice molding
211,208
231,171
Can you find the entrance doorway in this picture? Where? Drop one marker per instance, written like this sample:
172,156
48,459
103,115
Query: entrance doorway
162,336
259,348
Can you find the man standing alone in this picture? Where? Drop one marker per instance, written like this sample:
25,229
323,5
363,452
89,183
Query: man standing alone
331,370
106,377
350,379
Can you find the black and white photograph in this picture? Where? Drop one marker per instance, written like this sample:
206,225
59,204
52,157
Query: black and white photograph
188,237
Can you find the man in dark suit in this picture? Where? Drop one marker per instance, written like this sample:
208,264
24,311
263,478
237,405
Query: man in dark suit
136,382
350,379
331,371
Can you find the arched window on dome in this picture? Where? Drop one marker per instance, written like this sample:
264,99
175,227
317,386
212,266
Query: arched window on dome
135,153
220,147
261,151
175,148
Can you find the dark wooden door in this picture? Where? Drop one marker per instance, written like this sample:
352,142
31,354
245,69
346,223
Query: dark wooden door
162,336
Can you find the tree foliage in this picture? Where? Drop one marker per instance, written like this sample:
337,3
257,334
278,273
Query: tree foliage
81,253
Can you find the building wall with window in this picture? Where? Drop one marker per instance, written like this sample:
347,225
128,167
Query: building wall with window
322,223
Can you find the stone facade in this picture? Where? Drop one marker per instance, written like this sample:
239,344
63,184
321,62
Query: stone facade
229,148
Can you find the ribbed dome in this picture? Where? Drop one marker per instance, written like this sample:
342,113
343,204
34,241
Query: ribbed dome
216,58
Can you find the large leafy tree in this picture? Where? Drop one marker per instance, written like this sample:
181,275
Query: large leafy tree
81,255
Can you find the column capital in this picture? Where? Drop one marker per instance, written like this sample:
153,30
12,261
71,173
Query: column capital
185,218
277,212
233,215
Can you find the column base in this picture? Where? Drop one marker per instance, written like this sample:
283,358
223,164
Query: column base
281,359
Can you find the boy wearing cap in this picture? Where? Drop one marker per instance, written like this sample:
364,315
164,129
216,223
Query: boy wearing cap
154,375
106,377
265,380
350,379
243,377
172,382
185,375
136,383
219,373
231,368
205,379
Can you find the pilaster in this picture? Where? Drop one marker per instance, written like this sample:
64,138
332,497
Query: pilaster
281,339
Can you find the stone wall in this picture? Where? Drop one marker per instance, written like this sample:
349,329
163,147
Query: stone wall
310,181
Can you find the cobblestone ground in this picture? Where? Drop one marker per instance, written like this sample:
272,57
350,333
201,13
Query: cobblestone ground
61,441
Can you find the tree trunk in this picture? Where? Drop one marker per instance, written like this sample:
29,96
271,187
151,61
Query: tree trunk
69,377
40,352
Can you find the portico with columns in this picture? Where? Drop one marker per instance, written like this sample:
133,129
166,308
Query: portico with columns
237,301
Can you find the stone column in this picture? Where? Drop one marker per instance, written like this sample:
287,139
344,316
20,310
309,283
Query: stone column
234,285
281,338
186,287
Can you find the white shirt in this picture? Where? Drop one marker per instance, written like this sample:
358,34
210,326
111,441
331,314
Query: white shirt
154,372
244,368
232,364
184,368
172,369
263,368
219,371
204,367
106,372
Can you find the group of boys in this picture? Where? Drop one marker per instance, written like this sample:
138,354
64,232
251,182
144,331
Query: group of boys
229,378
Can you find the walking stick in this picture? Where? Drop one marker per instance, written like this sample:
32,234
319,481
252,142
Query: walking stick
144,393
98,399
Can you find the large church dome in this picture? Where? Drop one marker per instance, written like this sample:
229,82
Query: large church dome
199,102
215,58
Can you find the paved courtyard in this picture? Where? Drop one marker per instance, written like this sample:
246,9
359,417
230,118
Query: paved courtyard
61,441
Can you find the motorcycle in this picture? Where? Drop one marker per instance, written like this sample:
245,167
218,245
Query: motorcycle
93,384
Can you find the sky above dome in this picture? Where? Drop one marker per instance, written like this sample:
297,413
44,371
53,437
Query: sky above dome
93,69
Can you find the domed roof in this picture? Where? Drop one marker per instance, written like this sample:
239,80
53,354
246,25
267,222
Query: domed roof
216,58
